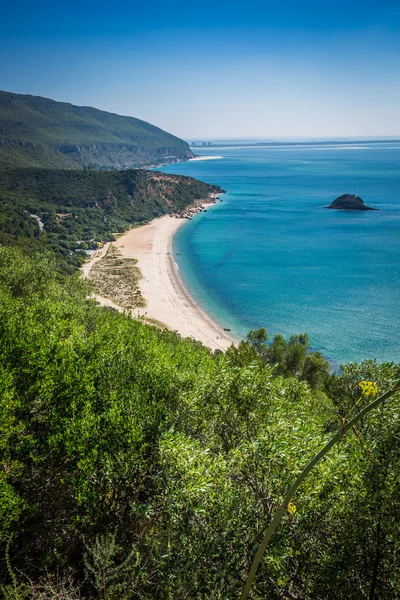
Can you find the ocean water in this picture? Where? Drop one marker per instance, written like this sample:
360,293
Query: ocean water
271,255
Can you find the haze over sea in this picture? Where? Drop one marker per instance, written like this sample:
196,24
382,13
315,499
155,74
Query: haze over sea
270,255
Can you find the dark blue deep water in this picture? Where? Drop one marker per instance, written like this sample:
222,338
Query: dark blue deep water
271,255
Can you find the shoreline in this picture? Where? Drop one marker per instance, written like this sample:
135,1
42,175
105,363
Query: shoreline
176,162
204,157
167,299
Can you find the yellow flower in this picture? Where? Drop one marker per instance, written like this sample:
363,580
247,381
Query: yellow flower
369,388
291,509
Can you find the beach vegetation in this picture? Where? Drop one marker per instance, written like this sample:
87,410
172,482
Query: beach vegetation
116,277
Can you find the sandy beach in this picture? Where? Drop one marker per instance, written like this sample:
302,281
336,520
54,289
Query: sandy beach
205,158
167,300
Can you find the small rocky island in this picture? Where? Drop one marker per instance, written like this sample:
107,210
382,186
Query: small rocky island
349,202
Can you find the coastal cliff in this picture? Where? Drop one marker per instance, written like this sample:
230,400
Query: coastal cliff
80,209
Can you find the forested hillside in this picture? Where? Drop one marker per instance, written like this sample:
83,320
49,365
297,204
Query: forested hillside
71,211
137,465
39,132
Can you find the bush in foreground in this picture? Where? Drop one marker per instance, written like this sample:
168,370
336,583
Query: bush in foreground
138,465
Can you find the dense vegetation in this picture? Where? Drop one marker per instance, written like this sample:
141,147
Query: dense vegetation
38,132
85,206
140,465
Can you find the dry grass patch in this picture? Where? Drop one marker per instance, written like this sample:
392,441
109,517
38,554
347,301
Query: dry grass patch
116,278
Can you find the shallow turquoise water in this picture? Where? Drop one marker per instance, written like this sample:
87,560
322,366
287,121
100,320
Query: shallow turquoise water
271,255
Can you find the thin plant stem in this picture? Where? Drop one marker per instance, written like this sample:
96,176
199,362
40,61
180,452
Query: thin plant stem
338,437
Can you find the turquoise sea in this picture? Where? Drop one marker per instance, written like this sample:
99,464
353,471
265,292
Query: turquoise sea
271,255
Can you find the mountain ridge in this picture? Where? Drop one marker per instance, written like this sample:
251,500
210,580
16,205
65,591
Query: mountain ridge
40,132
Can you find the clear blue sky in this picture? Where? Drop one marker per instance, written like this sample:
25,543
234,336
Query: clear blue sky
214,68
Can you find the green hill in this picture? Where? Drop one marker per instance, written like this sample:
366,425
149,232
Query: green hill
79,208
39,132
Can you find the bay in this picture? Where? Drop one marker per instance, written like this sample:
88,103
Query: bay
271,255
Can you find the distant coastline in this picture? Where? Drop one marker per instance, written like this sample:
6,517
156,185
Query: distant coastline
277,144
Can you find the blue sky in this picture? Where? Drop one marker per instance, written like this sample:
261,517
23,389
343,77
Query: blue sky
212,68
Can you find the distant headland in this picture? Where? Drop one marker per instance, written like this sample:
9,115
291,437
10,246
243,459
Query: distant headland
349,202
42,133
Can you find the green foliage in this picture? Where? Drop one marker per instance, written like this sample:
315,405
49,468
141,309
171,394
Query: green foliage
100,564
257,338
292,358
140,465
38,132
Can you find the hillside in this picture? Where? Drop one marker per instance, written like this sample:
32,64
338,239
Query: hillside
137,465
39,132
78,209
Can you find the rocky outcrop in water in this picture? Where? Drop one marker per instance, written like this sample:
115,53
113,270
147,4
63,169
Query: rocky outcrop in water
349,202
